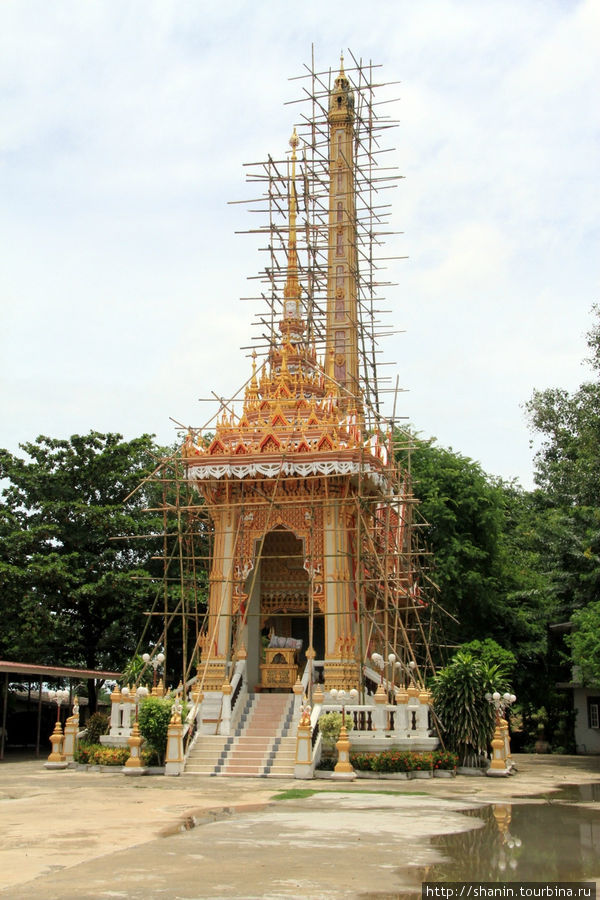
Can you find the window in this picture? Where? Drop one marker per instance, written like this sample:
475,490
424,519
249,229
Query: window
594,712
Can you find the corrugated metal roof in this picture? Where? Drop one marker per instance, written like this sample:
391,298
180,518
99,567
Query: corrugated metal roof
19,668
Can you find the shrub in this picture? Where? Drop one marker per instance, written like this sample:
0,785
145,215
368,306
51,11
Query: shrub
327,764
149,756
445,759
330,725
153,720
111,756
99,755
394,760
362,761
84,753
423,762
97,725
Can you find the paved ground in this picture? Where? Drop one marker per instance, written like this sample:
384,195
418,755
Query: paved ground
71,834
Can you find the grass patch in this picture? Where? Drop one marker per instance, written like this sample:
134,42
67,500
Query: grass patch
302,793
294,794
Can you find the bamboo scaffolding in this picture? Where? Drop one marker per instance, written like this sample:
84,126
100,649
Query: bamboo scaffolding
385,553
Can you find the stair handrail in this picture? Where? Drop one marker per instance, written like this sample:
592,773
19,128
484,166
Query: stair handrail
316,738
373,677
237,683
229,700
307,676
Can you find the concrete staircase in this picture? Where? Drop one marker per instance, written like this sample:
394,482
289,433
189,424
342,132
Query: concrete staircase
263,745
204,754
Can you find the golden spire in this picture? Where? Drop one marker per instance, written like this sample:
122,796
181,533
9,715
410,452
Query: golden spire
291,309
252,391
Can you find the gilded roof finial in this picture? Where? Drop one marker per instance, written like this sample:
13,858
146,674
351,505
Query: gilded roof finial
253,389
294,142
342,73
292,316
292,287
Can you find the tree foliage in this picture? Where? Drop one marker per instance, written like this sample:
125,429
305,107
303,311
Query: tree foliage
567,474
480,531
568,461
568,499
68,597
584,642
492,654
154,717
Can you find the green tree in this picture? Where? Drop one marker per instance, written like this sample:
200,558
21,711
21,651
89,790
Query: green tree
466,717
568,461
462,509
492,654
567,528
567,466
67,595
584,642
481,535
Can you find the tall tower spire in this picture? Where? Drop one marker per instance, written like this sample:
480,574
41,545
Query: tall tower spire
292,326
341,358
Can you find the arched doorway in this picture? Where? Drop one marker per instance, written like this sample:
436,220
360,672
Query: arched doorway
280,601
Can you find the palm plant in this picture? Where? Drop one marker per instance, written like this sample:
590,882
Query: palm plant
466,718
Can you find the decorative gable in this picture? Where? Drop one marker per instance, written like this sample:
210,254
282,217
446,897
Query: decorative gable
216,447
282,390
270,444
279,419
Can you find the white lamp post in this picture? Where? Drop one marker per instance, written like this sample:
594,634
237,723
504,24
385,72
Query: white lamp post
501,761
343,770
134,763
155,661
57,759
379,663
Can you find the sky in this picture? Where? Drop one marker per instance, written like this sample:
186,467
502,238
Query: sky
124,127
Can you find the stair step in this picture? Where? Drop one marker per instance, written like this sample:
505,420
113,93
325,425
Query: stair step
259,749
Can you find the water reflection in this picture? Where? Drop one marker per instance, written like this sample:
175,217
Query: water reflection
530,841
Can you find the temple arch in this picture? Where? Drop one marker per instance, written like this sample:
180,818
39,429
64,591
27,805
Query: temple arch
279,601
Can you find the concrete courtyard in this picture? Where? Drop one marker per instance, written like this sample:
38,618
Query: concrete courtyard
72,834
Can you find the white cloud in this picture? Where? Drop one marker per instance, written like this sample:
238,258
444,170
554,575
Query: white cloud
125,126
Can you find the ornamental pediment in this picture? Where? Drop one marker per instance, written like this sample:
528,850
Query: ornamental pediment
325,443
270,444
282,391
279,419
216,447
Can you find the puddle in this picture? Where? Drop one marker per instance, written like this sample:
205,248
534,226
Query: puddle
550,837
525,841
570,793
